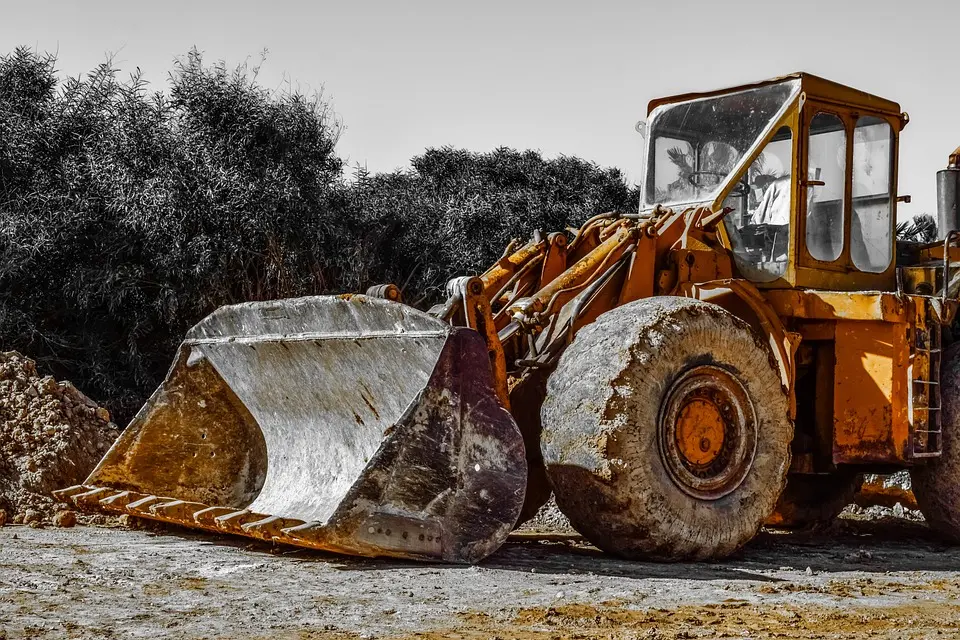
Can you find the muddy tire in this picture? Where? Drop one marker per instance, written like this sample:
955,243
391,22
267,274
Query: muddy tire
666,433
813,500
936,483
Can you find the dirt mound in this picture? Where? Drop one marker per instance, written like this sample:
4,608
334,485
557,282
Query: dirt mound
51,437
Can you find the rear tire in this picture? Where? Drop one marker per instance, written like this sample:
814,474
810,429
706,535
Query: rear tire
666,432
813,500
936,483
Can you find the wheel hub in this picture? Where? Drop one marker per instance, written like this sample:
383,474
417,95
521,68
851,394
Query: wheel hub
707,432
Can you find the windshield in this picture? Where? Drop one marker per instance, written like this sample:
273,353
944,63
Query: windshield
694,146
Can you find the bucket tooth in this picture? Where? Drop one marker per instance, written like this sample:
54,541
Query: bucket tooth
68,493
142,505
177,510
233,522
120,499
302,531
207,517
90,498
270,527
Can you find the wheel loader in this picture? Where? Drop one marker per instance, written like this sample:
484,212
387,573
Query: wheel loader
733,353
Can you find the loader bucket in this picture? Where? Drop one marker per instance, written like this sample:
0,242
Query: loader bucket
349,424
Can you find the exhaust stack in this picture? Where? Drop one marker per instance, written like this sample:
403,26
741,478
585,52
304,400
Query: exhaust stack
948,196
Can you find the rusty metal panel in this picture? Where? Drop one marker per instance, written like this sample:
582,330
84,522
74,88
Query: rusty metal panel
871,422
639,282
838,305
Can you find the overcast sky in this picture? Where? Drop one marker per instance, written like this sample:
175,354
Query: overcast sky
563,77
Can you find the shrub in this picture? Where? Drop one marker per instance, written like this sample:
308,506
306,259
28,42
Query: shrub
126,216
455,211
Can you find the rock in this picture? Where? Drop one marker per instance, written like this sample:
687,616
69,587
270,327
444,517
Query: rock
3,517
65,519
129,522
32,515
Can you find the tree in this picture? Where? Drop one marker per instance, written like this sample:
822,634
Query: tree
455,211
127,216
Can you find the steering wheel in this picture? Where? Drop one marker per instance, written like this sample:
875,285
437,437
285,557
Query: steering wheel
741,190
760,229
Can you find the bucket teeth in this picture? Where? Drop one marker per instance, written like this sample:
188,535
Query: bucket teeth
142,505
121,499
301,528
207,517
270,527
69,492
177,510
90,498
238,521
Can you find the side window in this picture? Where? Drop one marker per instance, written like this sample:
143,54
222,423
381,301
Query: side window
675,161
759,223
871,244
826,172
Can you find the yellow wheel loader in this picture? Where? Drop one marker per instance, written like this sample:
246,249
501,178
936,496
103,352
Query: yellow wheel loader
734,353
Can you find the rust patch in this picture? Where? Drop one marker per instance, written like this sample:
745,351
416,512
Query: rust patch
363,394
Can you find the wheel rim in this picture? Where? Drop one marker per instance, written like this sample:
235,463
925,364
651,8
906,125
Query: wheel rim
707,432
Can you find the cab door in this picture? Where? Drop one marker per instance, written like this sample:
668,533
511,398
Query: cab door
846,205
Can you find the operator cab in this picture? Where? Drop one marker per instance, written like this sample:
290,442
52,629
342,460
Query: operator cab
806,168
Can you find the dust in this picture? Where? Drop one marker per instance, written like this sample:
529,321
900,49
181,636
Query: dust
51,437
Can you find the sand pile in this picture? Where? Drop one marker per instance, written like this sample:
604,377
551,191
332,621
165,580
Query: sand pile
51,437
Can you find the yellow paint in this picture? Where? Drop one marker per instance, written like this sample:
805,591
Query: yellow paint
699,431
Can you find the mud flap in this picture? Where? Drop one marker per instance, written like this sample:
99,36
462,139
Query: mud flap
348,424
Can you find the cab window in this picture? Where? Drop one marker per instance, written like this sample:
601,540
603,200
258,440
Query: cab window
871,228
826,186
759,223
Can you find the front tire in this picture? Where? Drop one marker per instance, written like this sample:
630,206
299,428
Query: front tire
666,433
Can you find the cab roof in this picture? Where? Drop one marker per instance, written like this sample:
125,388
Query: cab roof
815,87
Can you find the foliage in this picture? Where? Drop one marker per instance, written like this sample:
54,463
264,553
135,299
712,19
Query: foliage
455,211
920,228
126,216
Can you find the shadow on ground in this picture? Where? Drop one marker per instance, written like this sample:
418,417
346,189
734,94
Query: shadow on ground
876,546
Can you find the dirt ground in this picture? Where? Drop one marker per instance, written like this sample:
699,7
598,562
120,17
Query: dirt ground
887,579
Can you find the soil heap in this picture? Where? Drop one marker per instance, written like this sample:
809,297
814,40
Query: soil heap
51,437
